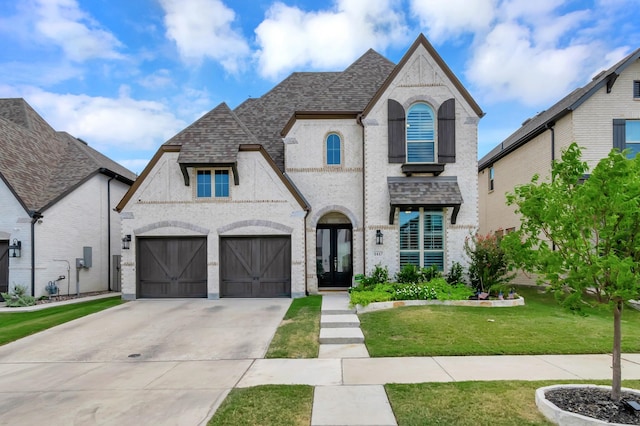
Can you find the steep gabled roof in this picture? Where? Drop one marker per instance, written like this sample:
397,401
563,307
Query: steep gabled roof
422,41
545,119
40,165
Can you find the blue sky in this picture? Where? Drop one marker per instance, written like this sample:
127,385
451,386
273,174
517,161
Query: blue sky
127,75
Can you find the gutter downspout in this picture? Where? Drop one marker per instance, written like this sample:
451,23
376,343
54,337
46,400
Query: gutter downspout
109,233
35,216
551,128
364,212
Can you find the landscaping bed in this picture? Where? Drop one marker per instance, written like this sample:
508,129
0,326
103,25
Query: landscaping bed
491,303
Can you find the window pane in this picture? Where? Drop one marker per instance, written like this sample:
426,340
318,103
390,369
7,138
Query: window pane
222,183
633,130
420,123
409,230
204,183
420,152
433,231
434,258
409,258
634,149
333,149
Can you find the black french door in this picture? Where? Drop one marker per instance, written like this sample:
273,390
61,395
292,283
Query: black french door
334,260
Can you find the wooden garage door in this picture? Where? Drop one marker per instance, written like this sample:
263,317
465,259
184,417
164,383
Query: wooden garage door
4,267
172,267
255,267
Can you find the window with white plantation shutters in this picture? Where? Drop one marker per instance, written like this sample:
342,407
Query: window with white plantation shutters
422,238
420,134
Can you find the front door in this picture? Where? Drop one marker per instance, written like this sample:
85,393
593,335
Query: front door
333,255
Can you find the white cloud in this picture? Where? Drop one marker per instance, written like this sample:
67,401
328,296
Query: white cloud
448,19
160,79
202,29
508,66
76,32
121,123
290,38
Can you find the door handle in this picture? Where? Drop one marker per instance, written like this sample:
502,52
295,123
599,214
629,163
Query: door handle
335,263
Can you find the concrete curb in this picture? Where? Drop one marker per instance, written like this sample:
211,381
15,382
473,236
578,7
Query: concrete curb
377,306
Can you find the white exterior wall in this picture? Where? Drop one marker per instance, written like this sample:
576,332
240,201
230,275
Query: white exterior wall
79,220
260,205
327,188
420,80
16,223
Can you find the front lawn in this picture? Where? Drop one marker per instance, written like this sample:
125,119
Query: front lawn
539,327
16,325
495,403
266,405
297,335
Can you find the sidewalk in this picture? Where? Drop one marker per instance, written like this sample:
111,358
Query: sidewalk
349,387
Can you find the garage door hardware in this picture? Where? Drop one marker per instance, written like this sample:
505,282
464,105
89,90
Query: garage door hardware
134,356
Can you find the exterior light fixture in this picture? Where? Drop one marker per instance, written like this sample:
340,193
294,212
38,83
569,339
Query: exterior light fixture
15,247
126,241
379,237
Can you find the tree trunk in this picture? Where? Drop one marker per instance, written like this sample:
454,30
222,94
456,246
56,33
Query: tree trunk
616,383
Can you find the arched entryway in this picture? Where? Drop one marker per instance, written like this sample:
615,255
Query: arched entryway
334,251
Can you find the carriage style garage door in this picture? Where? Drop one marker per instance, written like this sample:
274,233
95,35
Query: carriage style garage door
255,267
172,267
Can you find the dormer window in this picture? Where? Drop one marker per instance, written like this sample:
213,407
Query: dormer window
420,134
219,188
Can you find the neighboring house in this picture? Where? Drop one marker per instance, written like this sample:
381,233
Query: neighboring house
602,115
57,199
325,176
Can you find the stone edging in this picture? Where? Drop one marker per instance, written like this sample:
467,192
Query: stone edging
561,417
377,306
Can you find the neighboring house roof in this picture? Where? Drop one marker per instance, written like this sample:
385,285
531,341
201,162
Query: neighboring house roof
40,165
546,119
427,191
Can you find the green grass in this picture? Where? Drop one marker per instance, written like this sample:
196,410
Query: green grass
502,403
539,327
297,335
16,325
266,405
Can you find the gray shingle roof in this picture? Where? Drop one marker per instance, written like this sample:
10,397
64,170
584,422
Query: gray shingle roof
265,117
427,191
537,124
214,138
41,165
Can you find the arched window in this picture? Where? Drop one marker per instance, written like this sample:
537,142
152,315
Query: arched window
333,149
420,134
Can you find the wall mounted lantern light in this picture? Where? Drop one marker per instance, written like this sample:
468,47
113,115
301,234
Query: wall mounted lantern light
379,237
15,247
126,241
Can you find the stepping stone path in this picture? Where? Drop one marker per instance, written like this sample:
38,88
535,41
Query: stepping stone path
341,337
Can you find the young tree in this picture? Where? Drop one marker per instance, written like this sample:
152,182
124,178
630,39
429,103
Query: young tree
582,236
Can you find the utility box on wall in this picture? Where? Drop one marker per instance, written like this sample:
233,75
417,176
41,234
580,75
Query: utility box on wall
86,253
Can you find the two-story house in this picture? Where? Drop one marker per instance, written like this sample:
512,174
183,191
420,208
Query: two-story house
603,114
325,176
57,200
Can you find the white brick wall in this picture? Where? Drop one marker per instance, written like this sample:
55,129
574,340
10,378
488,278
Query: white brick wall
75,221
259,205
420,80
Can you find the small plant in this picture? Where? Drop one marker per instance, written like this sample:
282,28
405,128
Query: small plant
409,274
456,274
430,273
489,264
18,297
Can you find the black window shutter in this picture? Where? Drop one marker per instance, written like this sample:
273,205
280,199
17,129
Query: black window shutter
636,89
397,132
619,135
447,132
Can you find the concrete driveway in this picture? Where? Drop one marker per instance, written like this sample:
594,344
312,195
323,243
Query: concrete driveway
160,362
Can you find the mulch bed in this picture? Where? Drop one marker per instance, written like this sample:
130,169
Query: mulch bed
595,403
69,297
